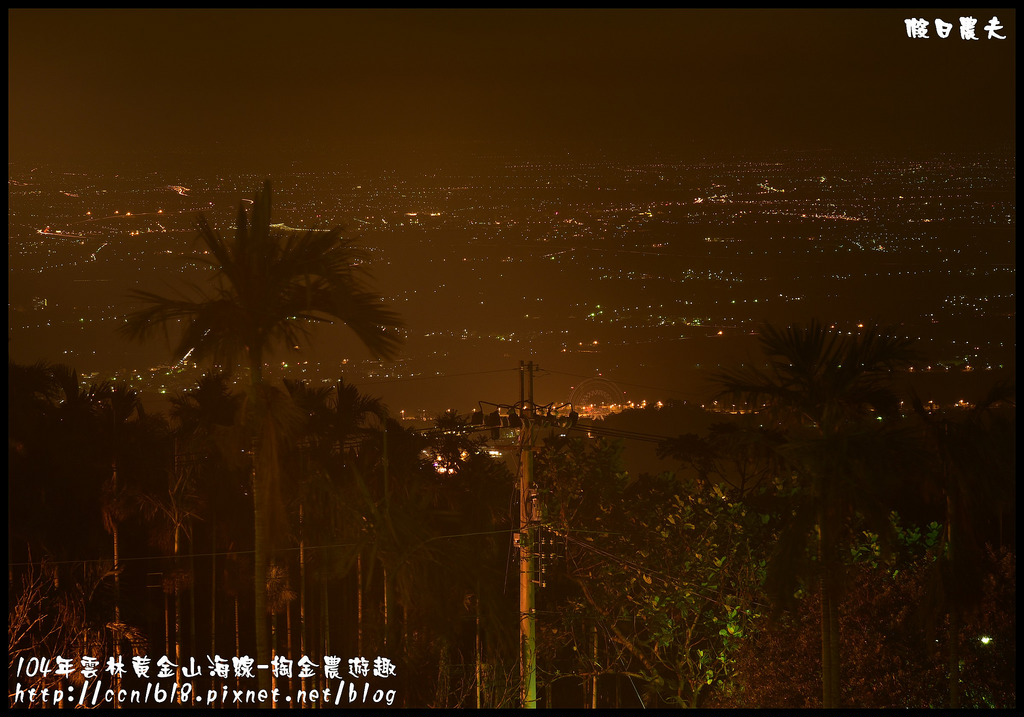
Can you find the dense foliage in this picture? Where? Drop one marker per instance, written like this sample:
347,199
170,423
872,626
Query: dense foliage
696,588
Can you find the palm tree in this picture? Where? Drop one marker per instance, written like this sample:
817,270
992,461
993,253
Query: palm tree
354,412
338,424
971,477
59,462
208,447
171,515
32,404
826,391
32,395
270,286
119,405
135,446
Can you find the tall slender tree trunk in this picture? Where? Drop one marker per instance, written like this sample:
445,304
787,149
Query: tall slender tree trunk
359,602
834,641
213,597
954,613
826,648
442,693
478,652
115,519
238,638
827,652
260,520
192,642
273,652
117,565
261,537
288,636
325,624
178,579
117,593
167,621
117,553
954,658
302,591
384,578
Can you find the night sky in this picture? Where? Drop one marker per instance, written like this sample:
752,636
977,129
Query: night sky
251,88
250,94
623,198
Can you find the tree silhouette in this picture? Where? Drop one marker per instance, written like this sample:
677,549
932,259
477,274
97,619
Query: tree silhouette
270,286
971,476
209,443
831,394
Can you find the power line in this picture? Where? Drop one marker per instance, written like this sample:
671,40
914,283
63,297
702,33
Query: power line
617,381
436,376
667,579
606,432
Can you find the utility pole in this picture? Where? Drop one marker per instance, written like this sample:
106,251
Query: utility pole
527,544
530,421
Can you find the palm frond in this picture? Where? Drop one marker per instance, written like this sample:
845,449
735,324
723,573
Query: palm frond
270,288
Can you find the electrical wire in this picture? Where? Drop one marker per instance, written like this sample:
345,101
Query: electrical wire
667,579
615,381
605,432
425,378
